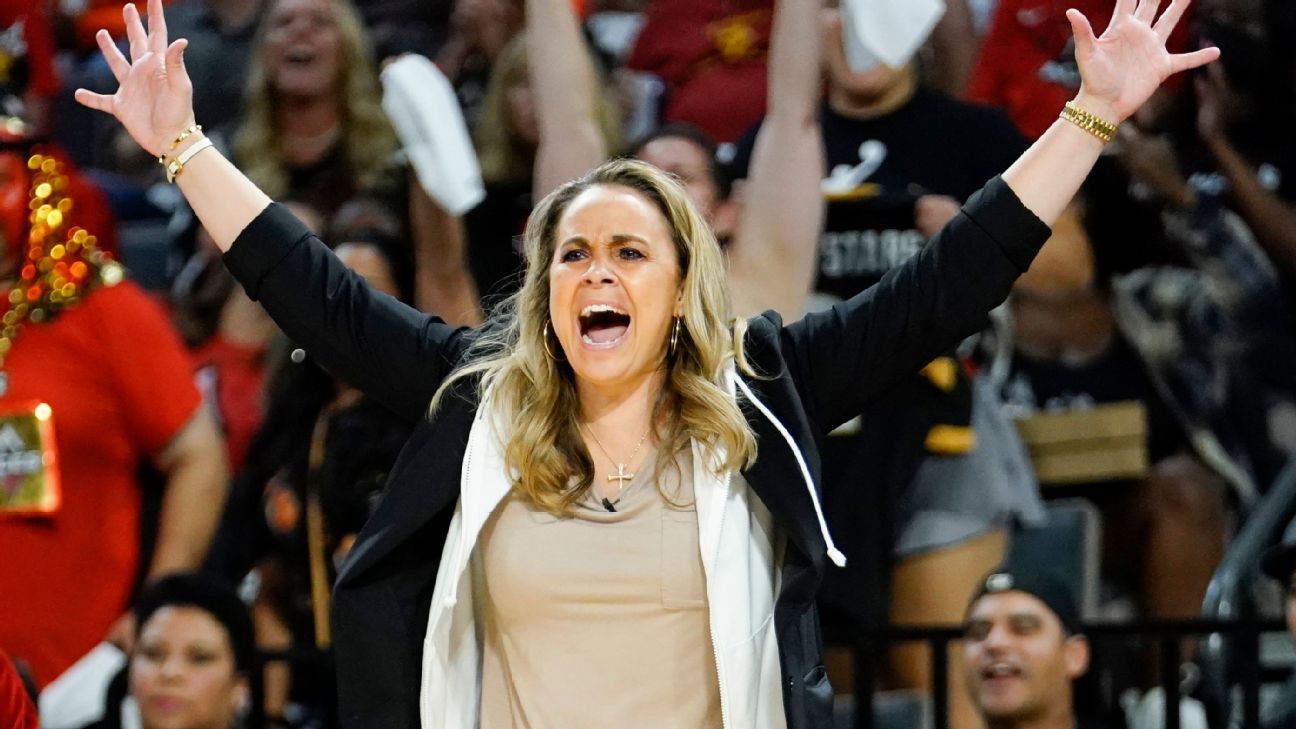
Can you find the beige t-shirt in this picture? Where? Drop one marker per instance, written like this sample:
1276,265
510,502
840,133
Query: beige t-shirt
598,619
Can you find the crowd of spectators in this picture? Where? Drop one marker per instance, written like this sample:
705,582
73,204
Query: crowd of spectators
189,435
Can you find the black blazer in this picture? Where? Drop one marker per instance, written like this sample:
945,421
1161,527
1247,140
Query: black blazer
818,372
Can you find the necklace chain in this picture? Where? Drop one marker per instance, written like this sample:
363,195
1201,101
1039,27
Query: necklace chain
621,476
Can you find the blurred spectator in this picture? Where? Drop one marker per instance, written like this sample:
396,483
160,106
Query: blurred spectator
1245,111
1221,175
913,484
28,80
94,382
712,56
769,240
1022,650
16,708
314,472
1279,563
692,156
1077,345
1027,62
406,26
192,657
220,35
228,336
480,30
507,137
315,129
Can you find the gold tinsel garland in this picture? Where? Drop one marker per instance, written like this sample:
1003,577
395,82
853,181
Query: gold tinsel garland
61,262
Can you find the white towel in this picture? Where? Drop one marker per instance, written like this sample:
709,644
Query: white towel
886,31
425,114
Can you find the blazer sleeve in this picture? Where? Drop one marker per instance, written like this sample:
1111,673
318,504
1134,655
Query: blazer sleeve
843,357
388,349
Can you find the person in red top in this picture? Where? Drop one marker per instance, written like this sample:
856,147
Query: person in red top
1027,62
16,708
27,57
93,381
712,56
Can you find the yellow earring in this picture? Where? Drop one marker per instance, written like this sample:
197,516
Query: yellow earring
545,338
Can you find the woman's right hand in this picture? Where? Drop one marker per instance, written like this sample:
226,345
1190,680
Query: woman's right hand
154,97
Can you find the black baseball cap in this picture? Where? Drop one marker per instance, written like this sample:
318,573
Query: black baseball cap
1043,585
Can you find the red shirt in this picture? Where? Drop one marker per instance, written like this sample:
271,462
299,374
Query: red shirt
117,380
712,55
233,377
1023,63
37,49
16,709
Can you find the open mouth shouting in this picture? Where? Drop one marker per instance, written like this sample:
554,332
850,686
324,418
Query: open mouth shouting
603,326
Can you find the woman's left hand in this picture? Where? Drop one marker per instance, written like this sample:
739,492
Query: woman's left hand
1120,69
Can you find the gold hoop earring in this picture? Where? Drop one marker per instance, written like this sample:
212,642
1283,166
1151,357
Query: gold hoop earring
544,337
674,340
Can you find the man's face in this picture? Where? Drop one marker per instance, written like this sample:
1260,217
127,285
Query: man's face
1018,660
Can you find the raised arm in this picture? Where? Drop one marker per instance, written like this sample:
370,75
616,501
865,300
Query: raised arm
848,354
154,102
386,348
443,284
773,258
1119,70
564,86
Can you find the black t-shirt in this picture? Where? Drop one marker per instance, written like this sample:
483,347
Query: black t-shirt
877,168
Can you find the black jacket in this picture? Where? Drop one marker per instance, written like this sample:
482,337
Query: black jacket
820,371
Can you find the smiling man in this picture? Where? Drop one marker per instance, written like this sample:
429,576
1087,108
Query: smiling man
1022,649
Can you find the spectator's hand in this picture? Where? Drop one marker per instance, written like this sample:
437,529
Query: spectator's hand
1120,69
1151,160
1217,103
122,632
933,212
154,98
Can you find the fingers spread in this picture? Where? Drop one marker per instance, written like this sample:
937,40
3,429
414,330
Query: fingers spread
1184,61
1146,10
1123,7
1169,19
135,32
99,102
117,63
157,30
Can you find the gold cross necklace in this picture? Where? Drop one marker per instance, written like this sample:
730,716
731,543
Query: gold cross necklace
622,476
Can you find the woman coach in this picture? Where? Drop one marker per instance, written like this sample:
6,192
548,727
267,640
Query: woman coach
609,515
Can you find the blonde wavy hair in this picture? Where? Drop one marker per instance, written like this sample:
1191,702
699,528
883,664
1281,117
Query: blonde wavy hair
367,137
536,393
504,156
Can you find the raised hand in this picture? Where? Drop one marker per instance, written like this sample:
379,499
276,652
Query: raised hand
154,97
1120,69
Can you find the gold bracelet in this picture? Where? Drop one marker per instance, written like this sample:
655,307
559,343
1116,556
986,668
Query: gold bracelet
177,165
162,160
1104,130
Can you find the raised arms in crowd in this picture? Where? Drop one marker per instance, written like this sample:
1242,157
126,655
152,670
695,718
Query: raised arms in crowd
1120,70
772,258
